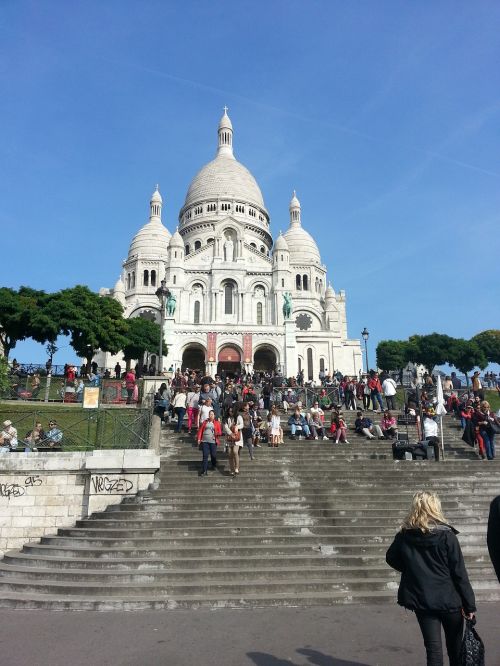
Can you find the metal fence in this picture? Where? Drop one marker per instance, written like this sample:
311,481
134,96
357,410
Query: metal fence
58,389
85,429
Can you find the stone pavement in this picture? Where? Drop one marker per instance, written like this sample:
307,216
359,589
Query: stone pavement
319,636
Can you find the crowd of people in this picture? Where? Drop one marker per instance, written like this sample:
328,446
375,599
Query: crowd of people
239,414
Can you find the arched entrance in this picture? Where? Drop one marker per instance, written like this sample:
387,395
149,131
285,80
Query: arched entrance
229,361
264,360
193,358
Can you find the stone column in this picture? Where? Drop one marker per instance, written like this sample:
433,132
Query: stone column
290,349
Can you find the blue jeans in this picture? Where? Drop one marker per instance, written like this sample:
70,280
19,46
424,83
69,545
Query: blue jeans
376,396
305,430
489,443
180,411
209,448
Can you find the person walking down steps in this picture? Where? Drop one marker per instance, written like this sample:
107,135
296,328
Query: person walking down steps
434,582
208,439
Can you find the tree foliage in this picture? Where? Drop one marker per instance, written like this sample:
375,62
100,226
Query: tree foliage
92,322
489,343
4,376
141,336
429,350
391,354
467,355
26,313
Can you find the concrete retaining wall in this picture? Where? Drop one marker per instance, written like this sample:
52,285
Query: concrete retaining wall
40,492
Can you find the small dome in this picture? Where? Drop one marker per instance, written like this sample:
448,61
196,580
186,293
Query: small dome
156,196
330,293
119,286
225,121
294,202
302,246
176,240
151,241
280,243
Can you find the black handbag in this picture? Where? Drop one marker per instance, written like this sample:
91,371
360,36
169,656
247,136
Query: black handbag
472,653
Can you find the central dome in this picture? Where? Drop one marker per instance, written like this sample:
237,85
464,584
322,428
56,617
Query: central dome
224,177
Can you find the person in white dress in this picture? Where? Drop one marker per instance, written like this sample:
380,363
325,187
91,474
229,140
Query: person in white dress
276,432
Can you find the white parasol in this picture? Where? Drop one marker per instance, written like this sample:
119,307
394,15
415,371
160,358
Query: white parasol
440,410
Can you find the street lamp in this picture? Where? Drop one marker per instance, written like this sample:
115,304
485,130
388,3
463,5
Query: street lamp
365,335
162,293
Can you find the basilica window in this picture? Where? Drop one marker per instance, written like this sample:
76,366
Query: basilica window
196,312
133,279
175,279
322,364
305,283
187,250
263,249
298,282
210,241
251,212
197,245
254,245
226,206
282,282
211,208
153,278
259,314
240,208
145,280
128,280
198,210
228,299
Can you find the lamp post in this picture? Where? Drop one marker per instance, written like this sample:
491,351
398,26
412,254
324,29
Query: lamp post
365,335
162,293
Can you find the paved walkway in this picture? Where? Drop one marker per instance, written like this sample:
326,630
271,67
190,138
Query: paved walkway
332,636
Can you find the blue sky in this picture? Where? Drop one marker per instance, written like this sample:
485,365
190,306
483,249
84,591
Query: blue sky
384,116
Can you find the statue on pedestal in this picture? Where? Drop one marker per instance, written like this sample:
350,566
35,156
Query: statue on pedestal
171,305
287,304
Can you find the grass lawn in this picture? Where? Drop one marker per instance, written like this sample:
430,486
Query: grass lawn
83,429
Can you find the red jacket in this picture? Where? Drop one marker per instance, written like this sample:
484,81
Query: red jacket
375,385
217,431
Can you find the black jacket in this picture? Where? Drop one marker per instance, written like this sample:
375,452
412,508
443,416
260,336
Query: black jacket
433,574
493,537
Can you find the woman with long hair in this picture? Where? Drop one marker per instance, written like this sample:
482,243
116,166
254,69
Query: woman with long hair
434,582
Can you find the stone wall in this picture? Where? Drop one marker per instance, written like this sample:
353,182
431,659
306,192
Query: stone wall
40,492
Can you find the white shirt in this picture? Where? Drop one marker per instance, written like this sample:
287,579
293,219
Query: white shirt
430,428
389,386
204,412
180,400
193,399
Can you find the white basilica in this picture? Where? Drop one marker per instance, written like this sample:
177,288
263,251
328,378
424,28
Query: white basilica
232,286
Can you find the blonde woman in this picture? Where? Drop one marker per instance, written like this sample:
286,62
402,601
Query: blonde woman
434,581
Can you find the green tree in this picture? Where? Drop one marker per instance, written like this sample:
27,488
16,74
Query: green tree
467,355
141,336
489,342
26,313
4,376
391,354
429,350
93,322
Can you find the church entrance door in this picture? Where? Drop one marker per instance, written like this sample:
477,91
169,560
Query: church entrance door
229,362
194,358
265,360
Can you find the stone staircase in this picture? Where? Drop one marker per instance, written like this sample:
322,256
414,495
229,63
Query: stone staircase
305,524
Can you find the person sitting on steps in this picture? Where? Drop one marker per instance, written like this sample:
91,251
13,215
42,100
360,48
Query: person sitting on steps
298,425
365,426
389,425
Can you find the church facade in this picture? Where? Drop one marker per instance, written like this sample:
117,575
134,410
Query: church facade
240,300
